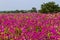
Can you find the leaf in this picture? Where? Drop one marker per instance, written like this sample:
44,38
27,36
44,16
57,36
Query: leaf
38,29
6,30
18,31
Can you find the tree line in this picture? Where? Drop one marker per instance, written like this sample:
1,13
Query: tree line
50,7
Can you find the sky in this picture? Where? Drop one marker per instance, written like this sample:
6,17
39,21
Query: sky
22,4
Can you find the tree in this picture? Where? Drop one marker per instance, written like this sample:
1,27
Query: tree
16,11
33,9
49,7
23,11
28,10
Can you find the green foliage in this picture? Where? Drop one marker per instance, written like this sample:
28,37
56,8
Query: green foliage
29,11
49,7
33,9
23,11
16,11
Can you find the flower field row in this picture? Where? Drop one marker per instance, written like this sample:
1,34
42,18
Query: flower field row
30,26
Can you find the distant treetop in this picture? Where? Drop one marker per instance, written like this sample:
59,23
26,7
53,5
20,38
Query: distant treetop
49,7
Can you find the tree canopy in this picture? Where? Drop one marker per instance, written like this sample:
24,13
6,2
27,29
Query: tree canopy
49,7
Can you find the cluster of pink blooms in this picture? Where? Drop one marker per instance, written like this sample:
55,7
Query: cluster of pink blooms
33,26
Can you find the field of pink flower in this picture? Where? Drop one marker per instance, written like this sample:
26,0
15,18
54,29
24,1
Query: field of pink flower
30,26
